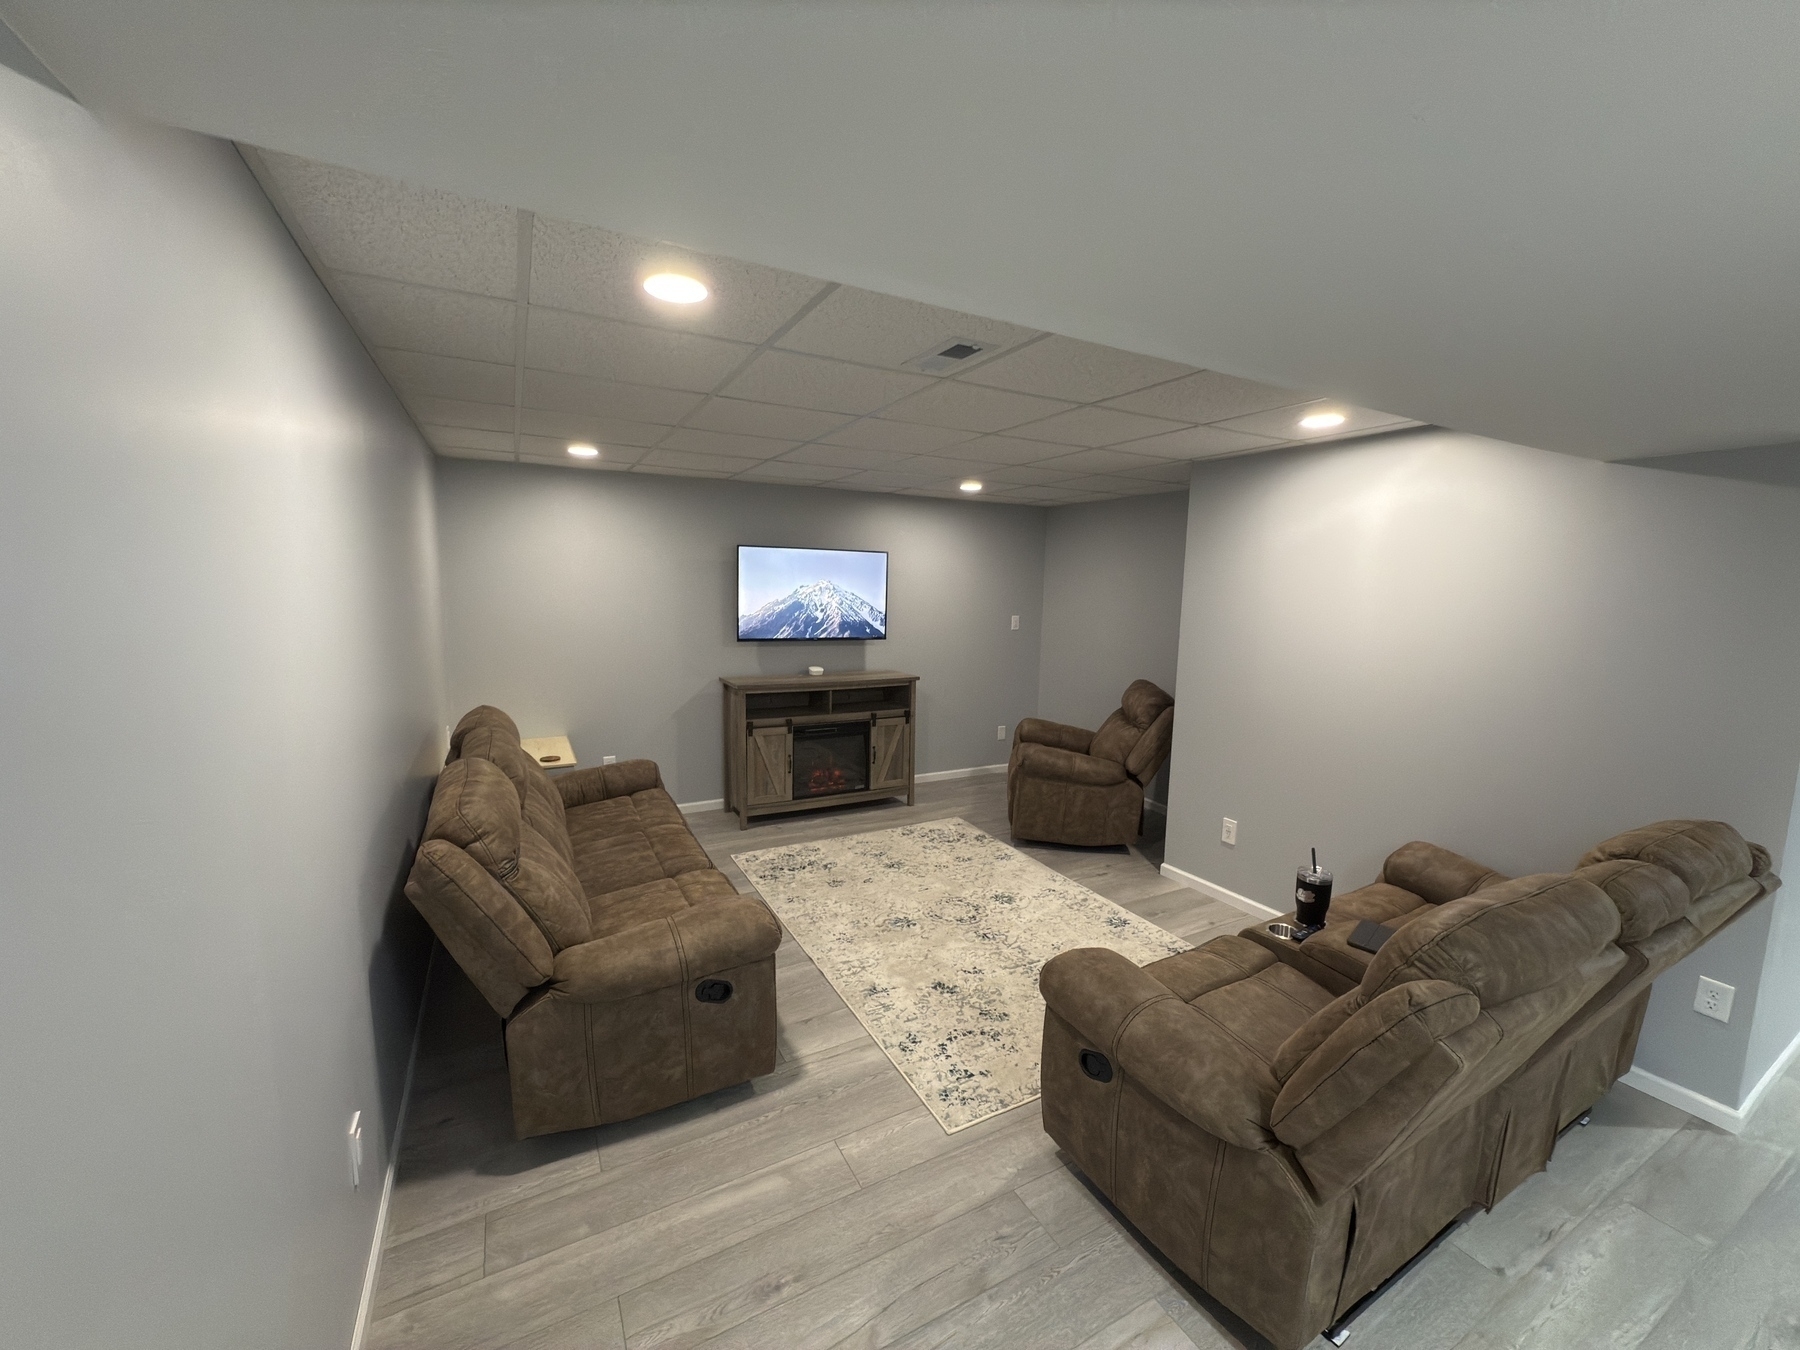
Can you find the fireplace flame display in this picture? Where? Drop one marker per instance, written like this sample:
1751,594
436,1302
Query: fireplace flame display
831,759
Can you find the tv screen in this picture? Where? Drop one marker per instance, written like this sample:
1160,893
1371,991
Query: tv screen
811,594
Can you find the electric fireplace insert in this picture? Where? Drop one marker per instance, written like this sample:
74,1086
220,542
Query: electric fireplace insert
831,758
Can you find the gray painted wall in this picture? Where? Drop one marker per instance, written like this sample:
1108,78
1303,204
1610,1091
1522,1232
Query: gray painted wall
603,605
1112,605
222,705
1510,652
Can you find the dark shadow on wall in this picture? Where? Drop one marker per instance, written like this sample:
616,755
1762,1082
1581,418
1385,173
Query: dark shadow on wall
1775,464
402,951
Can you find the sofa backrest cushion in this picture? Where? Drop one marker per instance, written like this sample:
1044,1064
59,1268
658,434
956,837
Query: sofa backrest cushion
1502,942
1147,756
476,807
1435,875
1365,1053
539,799
1116,739
483,717
1705,854
1142,703
498,945
481,810
1647,897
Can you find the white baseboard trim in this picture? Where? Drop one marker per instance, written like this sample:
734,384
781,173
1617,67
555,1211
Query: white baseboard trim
372,1272
1218,892
694,808
1732,1118
974,772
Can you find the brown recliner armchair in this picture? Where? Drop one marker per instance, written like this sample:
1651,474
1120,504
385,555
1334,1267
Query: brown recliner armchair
630,973
1067,785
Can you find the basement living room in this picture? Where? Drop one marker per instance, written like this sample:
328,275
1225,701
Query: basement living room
754,714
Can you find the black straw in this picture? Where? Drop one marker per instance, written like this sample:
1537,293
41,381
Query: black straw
1315,854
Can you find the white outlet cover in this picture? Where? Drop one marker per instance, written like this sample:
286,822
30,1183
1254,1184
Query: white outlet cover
1228,831
1000,733
1015,623
1713,999
609,759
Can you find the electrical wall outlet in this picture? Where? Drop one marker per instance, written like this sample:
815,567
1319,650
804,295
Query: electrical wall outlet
609,759
1000,732
354,1138
1714,999
1228,831
1015,623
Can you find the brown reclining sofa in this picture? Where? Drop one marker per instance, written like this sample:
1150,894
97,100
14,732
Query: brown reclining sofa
629,971
1290,1123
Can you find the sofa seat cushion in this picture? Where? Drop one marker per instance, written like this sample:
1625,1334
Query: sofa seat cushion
618,910
622,842
1244,990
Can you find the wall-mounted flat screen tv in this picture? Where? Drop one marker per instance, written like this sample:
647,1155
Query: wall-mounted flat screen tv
811,594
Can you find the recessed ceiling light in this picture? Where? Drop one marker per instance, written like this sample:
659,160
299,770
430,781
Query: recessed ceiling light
675,288
583,451
972,485
1322,421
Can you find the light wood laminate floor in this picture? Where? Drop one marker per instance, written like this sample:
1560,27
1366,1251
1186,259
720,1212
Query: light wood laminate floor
822,1206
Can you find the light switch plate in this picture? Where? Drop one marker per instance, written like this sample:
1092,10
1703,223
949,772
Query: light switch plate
1228,831
1000,732
1714,999
354,1137
1015,623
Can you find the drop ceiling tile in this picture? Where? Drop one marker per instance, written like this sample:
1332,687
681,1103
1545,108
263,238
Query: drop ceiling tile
558,392
1115,486
764,419
595,271
1084,372
601,431
1284,423
1047,495
668,471
1206,396
958,469
577,344
357,222
889,480
1198,443
426,319
884,330
459,452
724,443
1177,471
585,465
664,458
417,373
1030,475
1101,461
814,382
1095,426
902,438
781,471
970,407
845,457
555,450
468,438
1009,450
452,412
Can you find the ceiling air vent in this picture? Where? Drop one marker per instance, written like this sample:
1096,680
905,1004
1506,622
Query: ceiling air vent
942,357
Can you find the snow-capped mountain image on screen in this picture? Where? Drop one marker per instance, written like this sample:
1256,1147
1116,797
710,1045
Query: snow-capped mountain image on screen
811,594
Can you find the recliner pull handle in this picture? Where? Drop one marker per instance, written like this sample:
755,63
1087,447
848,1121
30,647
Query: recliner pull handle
713,991
1096,1066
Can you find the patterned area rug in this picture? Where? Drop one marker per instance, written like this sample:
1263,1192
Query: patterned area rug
934,935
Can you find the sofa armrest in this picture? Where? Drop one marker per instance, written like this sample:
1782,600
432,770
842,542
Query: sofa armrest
698,941
1177,1053
1038,731
1066,766
581,786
